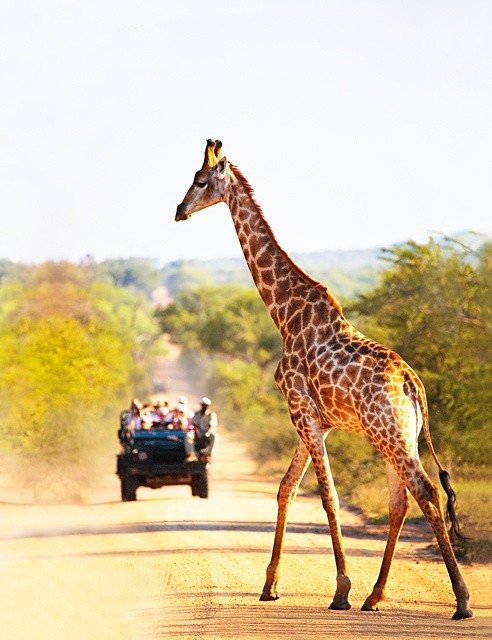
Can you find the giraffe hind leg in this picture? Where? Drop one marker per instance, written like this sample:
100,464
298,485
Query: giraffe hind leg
429,500
399,504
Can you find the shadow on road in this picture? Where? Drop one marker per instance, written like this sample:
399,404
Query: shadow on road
271,620
349,531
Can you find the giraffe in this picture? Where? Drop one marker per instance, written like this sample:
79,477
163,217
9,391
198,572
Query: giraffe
332,377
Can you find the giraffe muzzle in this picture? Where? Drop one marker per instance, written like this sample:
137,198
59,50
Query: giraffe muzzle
181,213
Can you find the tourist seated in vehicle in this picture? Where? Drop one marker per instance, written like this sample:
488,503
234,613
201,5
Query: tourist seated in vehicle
147,421
183,403
161,410
178,418
154,415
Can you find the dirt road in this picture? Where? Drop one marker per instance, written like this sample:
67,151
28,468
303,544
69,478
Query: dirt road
173,566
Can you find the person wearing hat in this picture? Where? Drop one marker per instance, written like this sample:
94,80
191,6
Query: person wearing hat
204,422
183,404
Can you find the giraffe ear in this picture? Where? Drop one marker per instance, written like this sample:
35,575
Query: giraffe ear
222,167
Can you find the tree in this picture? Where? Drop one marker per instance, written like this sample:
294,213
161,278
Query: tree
136,274
433,307
67,364
226,320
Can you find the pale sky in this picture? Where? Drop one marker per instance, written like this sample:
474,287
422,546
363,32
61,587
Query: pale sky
359,123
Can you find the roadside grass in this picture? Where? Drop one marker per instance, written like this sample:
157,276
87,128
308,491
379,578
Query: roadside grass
371,499
474,509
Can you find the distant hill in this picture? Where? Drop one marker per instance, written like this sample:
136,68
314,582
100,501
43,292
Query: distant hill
345,273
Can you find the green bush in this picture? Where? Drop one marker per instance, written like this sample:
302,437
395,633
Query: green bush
67,365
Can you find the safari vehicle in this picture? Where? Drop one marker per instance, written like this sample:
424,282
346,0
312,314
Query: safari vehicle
156,458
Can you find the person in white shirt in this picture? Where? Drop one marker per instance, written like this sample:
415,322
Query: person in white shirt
204,422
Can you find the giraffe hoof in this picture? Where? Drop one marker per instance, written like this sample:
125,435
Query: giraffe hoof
340,605
266,597
367,607
462,614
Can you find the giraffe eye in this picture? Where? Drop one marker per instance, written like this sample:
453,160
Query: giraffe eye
201,184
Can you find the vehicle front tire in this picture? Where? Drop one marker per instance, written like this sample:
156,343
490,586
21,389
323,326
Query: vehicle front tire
129,486
199,485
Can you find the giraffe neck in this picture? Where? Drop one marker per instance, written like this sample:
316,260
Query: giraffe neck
281,283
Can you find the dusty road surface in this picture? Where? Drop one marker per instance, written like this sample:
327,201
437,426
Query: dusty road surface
172,566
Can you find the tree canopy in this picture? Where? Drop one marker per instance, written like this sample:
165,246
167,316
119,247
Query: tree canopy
434,307
67,362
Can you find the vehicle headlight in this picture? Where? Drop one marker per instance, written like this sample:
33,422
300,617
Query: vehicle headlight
142,455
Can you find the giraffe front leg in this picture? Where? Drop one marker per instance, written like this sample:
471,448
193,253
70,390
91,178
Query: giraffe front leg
329,498
340,599
286,495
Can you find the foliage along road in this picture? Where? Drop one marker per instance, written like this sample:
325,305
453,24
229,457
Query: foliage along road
172,566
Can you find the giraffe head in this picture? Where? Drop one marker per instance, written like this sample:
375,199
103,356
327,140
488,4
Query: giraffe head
209,183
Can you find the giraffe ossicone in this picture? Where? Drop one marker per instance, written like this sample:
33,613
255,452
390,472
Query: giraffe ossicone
332,377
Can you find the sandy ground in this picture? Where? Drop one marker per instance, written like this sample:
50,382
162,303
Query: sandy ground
174,566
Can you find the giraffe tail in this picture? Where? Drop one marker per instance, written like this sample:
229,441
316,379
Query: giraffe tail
421,401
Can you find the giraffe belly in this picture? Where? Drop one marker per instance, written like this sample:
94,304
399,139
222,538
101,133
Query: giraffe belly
342,418
338,400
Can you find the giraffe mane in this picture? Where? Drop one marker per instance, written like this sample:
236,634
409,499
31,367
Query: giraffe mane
308,278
